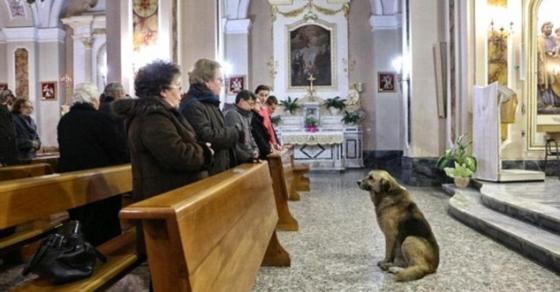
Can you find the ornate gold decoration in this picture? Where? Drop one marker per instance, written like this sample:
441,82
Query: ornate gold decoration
310,6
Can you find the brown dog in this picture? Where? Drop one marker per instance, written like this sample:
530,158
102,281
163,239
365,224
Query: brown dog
411,250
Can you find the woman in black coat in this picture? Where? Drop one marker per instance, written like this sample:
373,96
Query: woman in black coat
27,139
259,132
88,139
200,107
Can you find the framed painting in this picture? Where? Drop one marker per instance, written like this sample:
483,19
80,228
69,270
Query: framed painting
311,55
386,81
48,90
236,84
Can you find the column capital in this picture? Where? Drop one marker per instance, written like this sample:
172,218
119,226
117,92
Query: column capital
385,22
240,26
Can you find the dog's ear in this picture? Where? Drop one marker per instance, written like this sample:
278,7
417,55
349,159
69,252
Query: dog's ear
385,184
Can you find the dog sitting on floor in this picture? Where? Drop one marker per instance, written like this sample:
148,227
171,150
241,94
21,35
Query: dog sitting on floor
411,250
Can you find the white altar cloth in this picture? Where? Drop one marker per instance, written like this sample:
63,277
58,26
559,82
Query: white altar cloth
309,138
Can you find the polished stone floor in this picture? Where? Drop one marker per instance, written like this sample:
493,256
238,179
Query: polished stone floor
339,243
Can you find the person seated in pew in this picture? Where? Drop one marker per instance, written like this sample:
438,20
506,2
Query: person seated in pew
28,141
164,149
240,117
89,139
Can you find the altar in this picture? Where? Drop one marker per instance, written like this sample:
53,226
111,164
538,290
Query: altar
327,149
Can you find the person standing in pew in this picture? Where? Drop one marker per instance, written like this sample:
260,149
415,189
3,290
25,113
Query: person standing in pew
89,139
260,133
200,106
8,147
240,117
28,141
165,153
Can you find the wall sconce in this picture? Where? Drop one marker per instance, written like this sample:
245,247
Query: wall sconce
66,80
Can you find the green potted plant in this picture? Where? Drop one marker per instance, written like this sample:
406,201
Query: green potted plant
335,105
290,105
276,120
351,118
464,165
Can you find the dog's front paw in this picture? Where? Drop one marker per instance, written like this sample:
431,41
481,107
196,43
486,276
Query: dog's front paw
384,265
395,269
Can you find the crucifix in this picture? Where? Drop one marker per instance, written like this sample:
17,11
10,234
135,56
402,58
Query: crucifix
311,90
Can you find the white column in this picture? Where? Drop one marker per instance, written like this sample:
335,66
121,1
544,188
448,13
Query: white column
237,49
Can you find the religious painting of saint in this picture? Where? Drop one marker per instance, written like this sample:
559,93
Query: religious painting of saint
548,59
386,82
48,90
310,56
236,84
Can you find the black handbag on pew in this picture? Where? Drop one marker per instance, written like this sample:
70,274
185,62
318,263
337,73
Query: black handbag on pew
64,256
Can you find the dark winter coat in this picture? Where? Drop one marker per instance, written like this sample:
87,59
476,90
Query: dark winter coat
243,150
200,108
26,134
261,136
88,139
119,122
8,148
164,151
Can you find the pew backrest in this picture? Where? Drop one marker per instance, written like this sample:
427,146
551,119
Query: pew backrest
23,200
210,235
24,171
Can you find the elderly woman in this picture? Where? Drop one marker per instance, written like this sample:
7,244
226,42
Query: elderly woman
200,107
27,139
164,151
88,139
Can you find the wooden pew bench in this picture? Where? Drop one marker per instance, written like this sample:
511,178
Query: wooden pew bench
49,158
28,199
212,235
301,179
24,171
282,184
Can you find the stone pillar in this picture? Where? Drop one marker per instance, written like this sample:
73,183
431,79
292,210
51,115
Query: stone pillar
237,49
85,28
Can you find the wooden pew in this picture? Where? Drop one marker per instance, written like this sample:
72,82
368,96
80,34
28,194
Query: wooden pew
282,183
23,171
25,200
302,182
212,235
49,158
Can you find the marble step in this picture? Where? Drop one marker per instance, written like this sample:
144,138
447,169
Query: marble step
535,243
536,212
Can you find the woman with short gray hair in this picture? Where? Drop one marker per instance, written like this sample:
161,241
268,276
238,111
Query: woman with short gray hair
200,106
88,139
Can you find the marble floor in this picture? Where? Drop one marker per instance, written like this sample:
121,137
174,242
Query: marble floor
339,243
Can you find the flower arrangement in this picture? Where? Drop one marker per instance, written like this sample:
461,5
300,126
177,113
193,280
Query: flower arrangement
290,105
311,124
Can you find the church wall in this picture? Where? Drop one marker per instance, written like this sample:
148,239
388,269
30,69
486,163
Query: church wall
426,128
260,44
51,62
387,106
197,33
361,51
3,63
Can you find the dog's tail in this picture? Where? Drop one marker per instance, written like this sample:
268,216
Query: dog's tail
413,273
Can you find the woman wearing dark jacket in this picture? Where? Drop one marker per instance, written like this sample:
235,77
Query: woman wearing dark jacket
200,107
88,138
164,150
27,139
